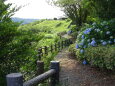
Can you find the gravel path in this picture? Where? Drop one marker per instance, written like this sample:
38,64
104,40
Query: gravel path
74,73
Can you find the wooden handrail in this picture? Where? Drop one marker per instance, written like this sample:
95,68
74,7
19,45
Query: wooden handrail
16,79
40,78
53,47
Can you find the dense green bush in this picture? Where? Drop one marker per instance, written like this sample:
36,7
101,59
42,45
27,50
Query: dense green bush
72,49
101,56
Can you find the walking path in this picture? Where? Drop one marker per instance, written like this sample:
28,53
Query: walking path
73,73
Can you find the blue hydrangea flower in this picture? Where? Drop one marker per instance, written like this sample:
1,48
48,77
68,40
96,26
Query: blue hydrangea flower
77,46
84,46
104,23
114,40
93,43
89,44
84,62
97,30
87,31
82,36
88,40
69,32
81,51
81,43
83,40
109,42
101,41
107,27
108,32
104,43
94,23
93,38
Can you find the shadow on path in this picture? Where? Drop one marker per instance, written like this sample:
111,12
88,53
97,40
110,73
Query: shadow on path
74,73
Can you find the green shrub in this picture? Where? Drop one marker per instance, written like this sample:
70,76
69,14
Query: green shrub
101,56
99,34
72,49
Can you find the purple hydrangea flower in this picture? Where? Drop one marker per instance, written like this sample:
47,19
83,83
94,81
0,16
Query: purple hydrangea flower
114,40
77,46
82,36
104,43
93,43
84,62
81,43
84,46
81,51
87,31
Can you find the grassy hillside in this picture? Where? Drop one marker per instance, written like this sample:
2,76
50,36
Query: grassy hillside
32,36
47,30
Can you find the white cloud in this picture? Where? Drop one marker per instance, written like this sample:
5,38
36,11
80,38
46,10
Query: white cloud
36,9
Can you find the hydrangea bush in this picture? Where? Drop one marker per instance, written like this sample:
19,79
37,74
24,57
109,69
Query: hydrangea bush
96,34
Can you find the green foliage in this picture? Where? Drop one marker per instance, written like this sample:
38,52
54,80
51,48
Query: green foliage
19,45
8,30
101,33
72,49
104,9
33,36
101,56
95,44
75,9
48,58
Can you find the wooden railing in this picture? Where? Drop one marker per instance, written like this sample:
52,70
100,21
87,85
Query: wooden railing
16,79
54,47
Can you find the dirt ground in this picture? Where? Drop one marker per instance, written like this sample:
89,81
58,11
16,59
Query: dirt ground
73,73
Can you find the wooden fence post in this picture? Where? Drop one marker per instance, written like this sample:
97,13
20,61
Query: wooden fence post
40,67
62,44
58,46
51,48
41,51
55,47
46,49
55,78
65,43
14,79
39,56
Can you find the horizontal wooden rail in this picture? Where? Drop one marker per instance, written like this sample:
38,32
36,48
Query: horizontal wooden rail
16,79
40,78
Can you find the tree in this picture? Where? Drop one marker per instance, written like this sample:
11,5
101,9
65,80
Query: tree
105,9
8,30
75,9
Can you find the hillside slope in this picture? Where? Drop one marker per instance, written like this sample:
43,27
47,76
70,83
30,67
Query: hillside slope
48,29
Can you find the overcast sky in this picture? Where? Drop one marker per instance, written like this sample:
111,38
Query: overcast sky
36,9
